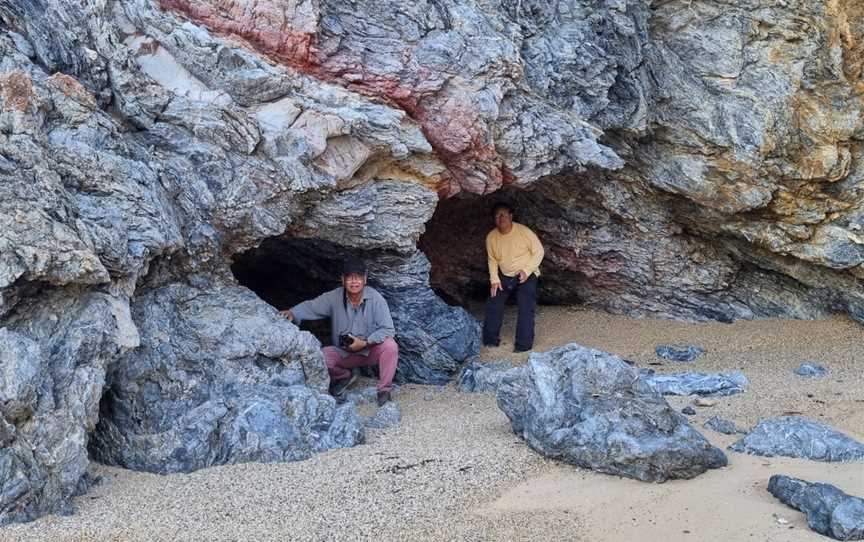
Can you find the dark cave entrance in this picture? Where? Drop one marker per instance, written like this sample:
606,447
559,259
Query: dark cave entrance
455,243
284,271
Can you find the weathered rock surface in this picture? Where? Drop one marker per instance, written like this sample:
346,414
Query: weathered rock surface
693,383
794,436
591,409
434,338
743,202
829,510
482,377
230,383
52,374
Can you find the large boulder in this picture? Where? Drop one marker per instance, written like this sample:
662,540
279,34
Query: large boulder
594,410
829,510
219,378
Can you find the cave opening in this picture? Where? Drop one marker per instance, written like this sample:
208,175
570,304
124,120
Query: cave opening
455,243
284,271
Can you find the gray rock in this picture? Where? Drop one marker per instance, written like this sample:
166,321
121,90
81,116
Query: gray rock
434,338
688,410
360,396
811,370
829,510
232,383
678,353
482,377
53,358
591,409
722,426
693,383
794,436
387,416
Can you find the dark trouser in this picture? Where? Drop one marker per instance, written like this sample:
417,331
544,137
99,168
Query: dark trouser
526,298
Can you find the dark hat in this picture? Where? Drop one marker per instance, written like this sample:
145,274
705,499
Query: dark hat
353,265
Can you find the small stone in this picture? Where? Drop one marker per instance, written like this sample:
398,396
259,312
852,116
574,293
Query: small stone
678,353
811,370
703,402
387,416
722,426
688,410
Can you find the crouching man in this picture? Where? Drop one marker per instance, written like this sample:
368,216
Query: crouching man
361,330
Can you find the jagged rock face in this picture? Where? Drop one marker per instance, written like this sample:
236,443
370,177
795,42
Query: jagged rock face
53,358
591,409
219,378
740,199
691,158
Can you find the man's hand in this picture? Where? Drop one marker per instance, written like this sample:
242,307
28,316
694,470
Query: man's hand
523,276
496,287
358,345
287,314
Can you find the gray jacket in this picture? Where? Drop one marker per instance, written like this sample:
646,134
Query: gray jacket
370,321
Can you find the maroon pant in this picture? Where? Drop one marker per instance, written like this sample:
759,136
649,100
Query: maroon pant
385,355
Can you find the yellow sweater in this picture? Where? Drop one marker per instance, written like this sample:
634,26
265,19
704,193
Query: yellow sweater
519,250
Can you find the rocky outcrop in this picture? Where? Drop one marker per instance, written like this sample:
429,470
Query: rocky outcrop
794,436
591,409
829,510
694,159
740,194
231,382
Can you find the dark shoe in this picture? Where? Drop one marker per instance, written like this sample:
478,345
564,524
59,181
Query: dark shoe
383,398
336,388
518,350
491,343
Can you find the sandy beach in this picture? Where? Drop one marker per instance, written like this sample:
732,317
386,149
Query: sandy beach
454,470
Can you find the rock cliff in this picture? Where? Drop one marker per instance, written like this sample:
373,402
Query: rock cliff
692,159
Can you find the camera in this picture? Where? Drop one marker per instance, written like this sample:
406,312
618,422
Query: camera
345,340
